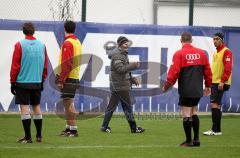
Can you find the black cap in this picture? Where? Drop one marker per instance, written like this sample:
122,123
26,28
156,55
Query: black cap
121,40
220,35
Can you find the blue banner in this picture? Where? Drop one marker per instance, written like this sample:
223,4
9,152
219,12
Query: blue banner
152,45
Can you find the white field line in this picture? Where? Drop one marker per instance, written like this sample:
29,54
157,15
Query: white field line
111,146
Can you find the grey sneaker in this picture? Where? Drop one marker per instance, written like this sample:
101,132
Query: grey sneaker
138,130
106,129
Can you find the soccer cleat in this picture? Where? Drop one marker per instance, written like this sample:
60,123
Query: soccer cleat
24,140
64,132
186,144
106,129
72,134
138,130
196,143
212,133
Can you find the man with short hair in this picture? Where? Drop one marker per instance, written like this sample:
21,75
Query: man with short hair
120,85
67,78
28,72
190,66
222,76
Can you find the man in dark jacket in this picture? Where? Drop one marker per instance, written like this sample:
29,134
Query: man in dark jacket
190,66
120,85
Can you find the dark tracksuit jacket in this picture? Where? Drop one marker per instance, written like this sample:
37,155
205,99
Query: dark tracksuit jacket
120,85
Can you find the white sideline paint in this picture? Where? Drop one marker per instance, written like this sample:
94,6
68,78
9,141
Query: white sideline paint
150,105
46,107
207,108
112,146
81,107
237,108
230,104
90,107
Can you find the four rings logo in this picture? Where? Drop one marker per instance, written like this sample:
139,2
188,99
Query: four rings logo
192,56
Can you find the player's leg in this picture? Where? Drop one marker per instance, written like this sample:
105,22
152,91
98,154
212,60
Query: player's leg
70,114
37,119
127,108
26,122
68,94
187,120
35,98
22,98
111,107
195,126
215,99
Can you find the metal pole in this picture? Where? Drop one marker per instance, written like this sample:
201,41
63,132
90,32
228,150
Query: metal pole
191,6
155,13
84,10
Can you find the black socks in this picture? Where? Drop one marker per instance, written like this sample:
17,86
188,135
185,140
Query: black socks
187,125
26,121
195,125
216,119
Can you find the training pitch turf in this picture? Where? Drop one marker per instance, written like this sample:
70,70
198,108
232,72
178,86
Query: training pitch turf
161,139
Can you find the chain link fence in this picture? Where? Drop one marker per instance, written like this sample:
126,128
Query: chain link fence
161,12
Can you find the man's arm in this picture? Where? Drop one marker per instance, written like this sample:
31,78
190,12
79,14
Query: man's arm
207,77
67,61
16,63
120,68
207,73
45,69
173,73
227,62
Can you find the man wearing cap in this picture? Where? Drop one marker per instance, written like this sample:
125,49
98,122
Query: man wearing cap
120,85
222,76
190,66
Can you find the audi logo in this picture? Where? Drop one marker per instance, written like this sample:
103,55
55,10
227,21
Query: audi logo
192,56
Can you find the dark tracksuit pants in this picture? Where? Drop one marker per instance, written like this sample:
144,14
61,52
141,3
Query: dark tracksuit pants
124,98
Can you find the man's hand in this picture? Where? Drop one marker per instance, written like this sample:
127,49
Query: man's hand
13,88
207,91
42,87
166,86
136,64
60,86
220,86
135,81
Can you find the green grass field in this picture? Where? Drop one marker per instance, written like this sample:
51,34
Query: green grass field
161,139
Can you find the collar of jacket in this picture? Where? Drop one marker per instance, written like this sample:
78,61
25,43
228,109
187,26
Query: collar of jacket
122,51
29,37
186,45
220,47
70,36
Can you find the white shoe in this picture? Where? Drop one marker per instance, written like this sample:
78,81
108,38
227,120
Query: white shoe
211,133
217,133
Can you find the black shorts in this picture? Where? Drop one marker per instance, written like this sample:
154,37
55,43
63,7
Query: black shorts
27,96
187,101
216,94
69,88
